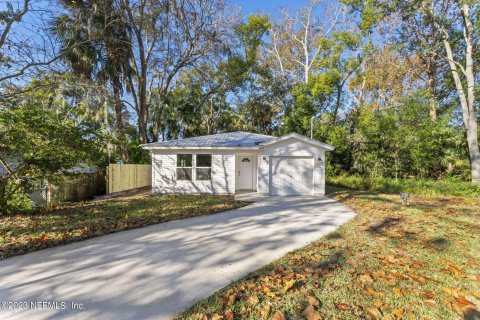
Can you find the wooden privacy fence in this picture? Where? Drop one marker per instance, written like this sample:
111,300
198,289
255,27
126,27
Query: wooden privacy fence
121,177
81,188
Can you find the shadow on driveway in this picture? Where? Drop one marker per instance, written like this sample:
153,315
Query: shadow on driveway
156,271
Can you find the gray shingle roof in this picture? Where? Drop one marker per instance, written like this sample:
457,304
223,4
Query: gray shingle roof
229,140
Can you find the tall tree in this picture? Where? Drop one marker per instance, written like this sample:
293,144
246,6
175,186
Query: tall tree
294,39
23,56
454,23
143,16
97,44
190,33
461,65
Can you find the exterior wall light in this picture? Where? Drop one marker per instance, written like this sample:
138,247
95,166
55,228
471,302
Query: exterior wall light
320,160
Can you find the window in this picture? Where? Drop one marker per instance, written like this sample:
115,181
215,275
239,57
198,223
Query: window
184,167
204,167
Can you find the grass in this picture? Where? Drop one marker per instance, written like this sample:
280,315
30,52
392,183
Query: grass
447,187
390,262
23,233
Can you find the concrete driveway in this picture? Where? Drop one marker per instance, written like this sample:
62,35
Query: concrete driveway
157,271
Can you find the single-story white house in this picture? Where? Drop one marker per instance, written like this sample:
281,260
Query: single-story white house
226,163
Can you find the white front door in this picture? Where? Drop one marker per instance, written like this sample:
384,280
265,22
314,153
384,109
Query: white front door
245,173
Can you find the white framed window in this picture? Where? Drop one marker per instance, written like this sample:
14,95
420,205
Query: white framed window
184,166
203,167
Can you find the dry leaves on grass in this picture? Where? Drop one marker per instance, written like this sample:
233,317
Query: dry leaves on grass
378,266
311,314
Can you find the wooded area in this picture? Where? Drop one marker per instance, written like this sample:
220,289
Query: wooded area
392,84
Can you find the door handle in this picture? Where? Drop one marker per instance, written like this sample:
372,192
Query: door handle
239,173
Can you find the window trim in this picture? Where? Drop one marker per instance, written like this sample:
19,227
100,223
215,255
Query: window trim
177,167
203,167
194,166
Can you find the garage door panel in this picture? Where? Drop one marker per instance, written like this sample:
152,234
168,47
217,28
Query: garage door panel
291,176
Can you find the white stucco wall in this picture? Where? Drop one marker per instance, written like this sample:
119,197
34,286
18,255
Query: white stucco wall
164,165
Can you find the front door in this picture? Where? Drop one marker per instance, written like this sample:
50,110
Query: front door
245,173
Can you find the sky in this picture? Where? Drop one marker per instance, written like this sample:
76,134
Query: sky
267,6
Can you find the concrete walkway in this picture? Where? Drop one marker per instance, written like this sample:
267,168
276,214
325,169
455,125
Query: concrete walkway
157,271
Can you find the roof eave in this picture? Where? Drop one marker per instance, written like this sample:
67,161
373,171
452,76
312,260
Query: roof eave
322,145
147,147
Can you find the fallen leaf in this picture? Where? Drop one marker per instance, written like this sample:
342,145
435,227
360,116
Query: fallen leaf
268,292
231,299
311,314
313,301
365,278
342,306
450,291
418,279
253,300
228,315
374,313
428,294
430,302
265,311
398,313
391,282
279,315
454,270
217,316
398,292
463,302
374,293
200,316
288,284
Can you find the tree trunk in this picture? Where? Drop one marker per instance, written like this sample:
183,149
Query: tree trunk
118,113
143,107
431,92
3,198
142,124
467,100
141,74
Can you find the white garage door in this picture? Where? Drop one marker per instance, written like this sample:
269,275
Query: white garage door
291,176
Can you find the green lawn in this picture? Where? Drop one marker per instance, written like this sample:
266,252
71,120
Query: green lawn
30,232
390,262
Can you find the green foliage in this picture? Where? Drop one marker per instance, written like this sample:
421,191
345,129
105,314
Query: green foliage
399,141
261,96
447,187
37,144
138,155
340,160
251,34
339,57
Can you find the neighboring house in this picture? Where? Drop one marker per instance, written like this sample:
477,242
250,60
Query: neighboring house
226,163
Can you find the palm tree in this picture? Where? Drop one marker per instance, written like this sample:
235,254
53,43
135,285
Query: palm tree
96,42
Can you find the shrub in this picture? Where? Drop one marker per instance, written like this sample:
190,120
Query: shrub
447,187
